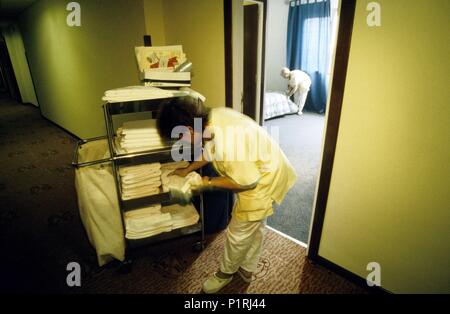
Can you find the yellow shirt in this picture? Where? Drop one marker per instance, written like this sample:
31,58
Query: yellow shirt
244,152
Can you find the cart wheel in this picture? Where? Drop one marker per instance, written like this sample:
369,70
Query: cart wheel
126,267
198,246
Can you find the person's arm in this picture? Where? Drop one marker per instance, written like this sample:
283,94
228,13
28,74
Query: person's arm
182,172
292,90
224,183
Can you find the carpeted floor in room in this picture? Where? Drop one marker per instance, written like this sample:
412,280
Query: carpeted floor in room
41,232
300,137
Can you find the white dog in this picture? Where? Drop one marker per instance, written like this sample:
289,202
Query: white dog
298,85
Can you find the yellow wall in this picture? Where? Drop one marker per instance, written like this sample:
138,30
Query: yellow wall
154,21
389,200
16,51
73,66
198,25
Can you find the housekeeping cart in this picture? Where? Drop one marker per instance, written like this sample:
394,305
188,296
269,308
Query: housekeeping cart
108,158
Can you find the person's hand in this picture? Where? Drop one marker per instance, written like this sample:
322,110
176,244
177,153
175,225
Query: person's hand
199,184
182,172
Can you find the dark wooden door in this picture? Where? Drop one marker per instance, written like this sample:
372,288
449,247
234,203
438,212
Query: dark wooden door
251,17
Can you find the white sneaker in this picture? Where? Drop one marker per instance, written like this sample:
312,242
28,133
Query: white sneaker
214,284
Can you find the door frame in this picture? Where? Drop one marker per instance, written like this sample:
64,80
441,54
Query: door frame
336,95
342,52
343,40
260,58
228,36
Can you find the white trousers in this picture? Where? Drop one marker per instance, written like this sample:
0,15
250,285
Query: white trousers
243,246
300,98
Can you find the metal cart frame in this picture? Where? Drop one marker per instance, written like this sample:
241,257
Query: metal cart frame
158,155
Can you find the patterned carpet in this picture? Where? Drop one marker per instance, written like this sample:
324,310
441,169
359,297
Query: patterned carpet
41,232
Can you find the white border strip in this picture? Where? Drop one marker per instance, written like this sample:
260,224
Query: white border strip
288,237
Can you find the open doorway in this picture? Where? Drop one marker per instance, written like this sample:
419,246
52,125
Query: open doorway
300,35
8,83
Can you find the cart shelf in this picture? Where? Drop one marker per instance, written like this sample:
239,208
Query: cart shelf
176,233
158,155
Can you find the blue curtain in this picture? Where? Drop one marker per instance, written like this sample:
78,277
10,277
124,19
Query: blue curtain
309,34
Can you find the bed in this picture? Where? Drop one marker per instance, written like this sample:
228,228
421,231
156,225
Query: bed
277,104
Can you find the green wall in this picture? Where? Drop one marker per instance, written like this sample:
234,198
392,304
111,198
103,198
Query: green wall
73,66
389,199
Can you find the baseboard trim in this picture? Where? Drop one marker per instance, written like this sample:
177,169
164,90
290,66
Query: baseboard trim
287,236
352,277
30,104
319,260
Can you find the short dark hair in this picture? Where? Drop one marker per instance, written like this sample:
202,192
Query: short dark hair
180,111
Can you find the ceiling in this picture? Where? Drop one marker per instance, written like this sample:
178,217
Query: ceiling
12,8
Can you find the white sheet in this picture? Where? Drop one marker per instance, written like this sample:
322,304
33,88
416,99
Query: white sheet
278,104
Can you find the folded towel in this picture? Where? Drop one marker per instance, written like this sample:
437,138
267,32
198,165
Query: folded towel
128,150
143,173
116,99
175,165
153,220
140,190
151,139
137,188
140,235
136,90
134,173
140,149
140,182
182,216
148,223
152,182
149,192
137,136
131,93
124,170
143,212
150,174
144,145
193,93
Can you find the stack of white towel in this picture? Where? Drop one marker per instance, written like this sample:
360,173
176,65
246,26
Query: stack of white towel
146,179
141,180
136,93
182,216
147,222
150,221
138,135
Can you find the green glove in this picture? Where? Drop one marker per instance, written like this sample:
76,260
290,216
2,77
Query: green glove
180,198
